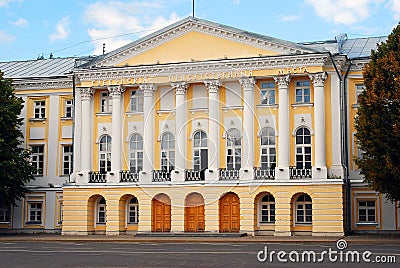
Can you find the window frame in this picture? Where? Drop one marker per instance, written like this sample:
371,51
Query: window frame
39,109
367,209
304,210
167,153
132,206
305,98
136,101
101,208
5,215
105,102
265,91
304,147
105,155
39,164
199,144
267,148
233,149
69,108
269,209
359,89
70,160
137,152
37,212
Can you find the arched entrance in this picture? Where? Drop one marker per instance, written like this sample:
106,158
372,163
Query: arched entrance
161,213
229,213
194,213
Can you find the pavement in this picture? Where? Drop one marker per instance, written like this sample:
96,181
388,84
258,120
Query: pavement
378,239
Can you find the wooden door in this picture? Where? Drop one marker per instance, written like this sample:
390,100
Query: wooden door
194,213
161,212
229,214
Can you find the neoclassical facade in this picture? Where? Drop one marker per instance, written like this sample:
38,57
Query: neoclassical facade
201,127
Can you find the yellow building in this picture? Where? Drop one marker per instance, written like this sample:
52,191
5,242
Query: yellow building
201,127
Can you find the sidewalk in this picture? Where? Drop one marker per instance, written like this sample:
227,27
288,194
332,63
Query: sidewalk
356,239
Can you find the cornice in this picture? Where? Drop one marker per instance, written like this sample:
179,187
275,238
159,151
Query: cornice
221,32
262,63
37,85
359,64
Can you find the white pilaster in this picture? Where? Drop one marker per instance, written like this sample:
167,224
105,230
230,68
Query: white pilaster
86,95
116,134
248,127
148,132
319,169
282,170
336,168
213,127
180,131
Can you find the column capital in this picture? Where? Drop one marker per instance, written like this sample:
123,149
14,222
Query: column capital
86,92
180,87
247,82
282,80
115,91
212,85
318,78
148,89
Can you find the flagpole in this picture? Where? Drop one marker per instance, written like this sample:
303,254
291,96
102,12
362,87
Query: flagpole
193,9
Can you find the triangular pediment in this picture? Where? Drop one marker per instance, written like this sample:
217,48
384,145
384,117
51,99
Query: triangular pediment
193,39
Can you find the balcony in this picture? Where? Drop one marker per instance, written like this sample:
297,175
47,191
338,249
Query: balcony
161,175
127,176
228,174
264,174
194,175
97,177
300,173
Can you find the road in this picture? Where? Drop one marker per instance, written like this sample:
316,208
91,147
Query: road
146,254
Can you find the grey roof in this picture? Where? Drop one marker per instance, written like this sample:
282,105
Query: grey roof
361,47
37,68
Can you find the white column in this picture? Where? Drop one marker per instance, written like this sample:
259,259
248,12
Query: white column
116,134
282,170
86,95
248,127
148,132
319,169
213,129
180,130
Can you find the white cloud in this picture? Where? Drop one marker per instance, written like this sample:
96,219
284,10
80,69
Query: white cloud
345,12
394,5
286,18
5,37
117,23
4,3
237,2
62,30
20,22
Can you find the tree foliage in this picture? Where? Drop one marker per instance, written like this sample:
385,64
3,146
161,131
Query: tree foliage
15,167
378,119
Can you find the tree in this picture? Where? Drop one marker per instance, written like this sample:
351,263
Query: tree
378,119
15,167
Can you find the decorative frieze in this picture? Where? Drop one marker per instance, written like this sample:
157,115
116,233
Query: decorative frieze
42,85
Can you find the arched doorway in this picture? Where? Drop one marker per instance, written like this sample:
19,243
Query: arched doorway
161,213
229,213
194,213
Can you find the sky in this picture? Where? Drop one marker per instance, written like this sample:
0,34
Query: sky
67,28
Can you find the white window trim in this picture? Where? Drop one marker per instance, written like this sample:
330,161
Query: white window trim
10,211
135,151
267,147
233,147
295,223
29,203
108,103
199,148
41,107
71,154
44,158
97,211
66,106
302,94
128,206
362,196
260,202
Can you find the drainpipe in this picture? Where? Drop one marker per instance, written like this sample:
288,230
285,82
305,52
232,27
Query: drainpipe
344,140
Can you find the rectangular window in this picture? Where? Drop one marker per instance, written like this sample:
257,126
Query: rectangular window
37,157
303,92
359,89
367,211
67,160
40,109
268,93
35,212
267,213
69,108
5,215
105,102
137,101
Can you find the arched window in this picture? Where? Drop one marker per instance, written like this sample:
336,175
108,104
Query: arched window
267,209
200,151
167,152
268,150
105,154
233,149
136,153
303,148
133,211
101,211
303,209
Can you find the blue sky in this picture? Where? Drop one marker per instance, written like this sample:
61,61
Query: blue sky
29,28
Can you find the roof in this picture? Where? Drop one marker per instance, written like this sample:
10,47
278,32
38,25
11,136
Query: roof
361,47
37,68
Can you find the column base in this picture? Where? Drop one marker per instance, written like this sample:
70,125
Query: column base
319,173
282,173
